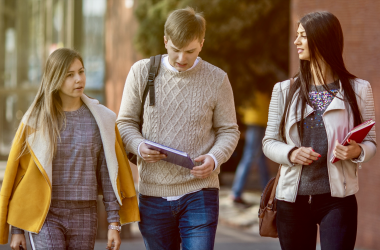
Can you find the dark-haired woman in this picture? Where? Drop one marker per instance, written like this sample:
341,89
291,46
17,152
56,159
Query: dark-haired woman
307,120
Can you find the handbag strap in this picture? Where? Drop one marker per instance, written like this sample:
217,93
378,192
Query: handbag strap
155,62
273,193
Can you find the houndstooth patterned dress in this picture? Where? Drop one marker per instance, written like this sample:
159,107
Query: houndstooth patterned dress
79,171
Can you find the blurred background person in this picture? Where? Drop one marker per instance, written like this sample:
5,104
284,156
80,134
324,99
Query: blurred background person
255,117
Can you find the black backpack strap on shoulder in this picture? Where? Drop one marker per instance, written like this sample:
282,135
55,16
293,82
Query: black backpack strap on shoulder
155,62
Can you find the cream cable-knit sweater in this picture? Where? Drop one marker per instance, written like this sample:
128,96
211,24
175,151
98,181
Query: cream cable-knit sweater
194,112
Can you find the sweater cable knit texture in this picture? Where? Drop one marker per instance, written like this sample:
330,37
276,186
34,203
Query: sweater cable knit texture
194,113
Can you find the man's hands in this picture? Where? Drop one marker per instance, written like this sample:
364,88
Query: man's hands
149,155
17,240
352,151
304,156
114,240
203,171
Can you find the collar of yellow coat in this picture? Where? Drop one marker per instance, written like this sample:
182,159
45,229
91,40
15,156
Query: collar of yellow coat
106,120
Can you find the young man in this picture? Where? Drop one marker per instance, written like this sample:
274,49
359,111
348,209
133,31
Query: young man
194,112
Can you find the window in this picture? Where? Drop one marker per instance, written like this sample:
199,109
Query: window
29,31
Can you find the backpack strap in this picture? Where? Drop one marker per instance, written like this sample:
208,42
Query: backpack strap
155,62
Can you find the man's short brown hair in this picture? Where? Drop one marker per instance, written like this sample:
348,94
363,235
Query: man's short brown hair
184,26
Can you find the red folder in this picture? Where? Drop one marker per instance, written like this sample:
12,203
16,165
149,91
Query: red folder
357,134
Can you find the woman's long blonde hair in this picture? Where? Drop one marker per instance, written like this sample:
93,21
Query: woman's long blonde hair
46,113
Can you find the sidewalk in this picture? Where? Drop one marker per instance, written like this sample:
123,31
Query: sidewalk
226,239
235,216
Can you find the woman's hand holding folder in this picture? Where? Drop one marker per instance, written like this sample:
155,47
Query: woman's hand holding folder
349,148
351,151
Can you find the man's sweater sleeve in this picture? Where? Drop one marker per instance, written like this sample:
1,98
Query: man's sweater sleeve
224,123
128,121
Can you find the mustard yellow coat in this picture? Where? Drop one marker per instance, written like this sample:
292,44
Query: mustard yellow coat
26,190
257,114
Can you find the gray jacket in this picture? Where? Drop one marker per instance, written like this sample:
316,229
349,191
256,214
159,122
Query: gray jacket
338,121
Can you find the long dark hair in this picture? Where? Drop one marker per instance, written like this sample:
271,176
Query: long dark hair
325,40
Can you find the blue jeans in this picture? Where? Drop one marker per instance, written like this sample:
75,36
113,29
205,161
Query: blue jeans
336,217
252,153
192,220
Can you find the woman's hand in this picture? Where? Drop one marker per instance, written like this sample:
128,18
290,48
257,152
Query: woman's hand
149,155
114,240
18,240
351,151
303,156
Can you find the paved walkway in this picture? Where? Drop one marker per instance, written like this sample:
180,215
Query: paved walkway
235,216
227,238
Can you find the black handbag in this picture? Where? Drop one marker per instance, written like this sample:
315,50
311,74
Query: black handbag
155,62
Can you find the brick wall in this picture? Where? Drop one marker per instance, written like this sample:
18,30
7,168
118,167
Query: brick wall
360,20
120,54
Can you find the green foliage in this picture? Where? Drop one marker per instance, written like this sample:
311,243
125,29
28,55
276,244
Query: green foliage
247,38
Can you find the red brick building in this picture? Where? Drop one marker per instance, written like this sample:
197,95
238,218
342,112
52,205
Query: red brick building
360,21
120,54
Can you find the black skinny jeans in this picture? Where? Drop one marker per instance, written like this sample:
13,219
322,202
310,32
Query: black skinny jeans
336,217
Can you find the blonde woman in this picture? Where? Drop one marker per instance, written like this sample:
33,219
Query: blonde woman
66,150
